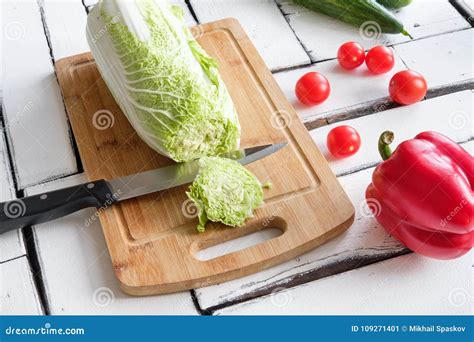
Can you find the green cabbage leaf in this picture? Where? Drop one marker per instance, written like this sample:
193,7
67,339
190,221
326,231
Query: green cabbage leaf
166,84
224,191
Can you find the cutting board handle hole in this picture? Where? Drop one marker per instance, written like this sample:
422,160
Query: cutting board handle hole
238,243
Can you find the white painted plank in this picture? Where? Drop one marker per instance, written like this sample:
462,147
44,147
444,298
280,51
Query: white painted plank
188,17
265,25
18,292
470,4
89,3
322,35
33,108
11,243
349,89
441,59
365,239
78,272
66,22
406,285
451,115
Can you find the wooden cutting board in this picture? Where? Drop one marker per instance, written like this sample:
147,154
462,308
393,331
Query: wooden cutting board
153,240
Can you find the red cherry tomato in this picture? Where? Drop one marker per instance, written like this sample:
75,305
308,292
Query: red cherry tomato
380,60
407,87
312,88
343,141
350,55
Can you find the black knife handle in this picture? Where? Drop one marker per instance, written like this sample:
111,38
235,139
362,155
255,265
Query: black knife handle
51,205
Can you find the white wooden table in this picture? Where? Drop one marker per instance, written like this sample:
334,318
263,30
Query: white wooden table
63,267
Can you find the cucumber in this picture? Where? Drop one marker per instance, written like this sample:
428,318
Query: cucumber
394,4
357,13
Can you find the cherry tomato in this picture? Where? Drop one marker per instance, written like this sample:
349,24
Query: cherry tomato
380,60
350,55
343,141
312,88
407,87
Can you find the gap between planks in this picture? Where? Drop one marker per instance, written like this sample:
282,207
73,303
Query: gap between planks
191,10
377,106
331,269
278,5
386,104
11,259
35,267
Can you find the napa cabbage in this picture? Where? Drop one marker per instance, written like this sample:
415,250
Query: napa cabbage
166,84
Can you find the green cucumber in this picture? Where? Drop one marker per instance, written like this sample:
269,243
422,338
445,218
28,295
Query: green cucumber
394,4
358,13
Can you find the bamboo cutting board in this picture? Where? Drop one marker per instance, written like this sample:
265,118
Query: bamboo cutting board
153,240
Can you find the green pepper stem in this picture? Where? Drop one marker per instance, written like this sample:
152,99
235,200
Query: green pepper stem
386,138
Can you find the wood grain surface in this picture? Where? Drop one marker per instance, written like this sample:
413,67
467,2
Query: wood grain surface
152,242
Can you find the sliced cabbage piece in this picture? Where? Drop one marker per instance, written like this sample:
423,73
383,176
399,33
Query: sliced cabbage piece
165,83
224,191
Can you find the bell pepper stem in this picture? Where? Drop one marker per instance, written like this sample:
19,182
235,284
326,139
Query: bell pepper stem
386,138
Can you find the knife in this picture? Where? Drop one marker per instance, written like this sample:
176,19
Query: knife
51,205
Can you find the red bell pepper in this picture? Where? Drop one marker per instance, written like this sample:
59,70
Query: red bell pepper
422,194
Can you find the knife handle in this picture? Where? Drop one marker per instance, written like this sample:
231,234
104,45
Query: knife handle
51,205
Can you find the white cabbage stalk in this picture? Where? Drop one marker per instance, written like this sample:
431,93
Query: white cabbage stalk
164,82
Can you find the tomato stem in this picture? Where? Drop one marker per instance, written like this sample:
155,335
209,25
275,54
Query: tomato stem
386,138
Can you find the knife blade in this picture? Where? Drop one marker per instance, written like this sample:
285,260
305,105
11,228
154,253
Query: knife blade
178,174
51,205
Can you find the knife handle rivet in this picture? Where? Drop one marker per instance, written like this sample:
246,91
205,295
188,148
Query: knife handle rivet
90,185
43,196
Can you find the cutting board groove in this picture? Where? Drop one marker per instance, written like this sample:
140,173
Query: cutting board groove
153,240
